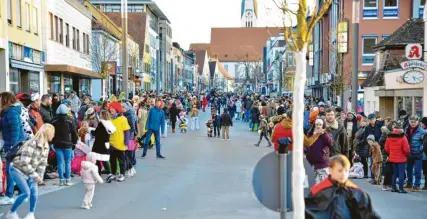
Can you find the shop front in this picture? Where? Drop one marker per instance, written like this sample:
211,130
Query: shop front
66,78
147,81
26,69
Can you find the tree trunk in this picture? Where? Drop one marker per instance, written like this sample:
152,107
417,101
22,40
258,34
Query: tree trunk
298,171
105,88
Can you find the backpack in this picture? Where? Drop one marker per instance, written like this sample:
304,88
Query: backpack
425,144
14,150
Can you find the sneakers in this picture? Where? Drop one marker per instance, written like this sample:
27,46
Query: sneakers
110,178
160,156
128,174
416,189
402,191
7,201
256,145
68,183
385,188
61,182
12,215
143,155
394,190
408,187
133,171
29,216
85,206
120,178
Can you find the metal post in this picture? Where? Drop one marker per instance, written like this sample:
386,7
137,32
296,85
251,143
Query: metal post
282,185
125,76
158,71
280,77
172,70
355,84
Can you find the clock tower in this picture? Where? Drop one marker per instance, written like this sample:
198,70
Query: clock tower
249,13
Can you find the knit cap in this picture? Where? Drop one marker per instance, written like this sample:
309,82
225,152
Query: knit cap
372,116
370,138
116,106
62,109
424,120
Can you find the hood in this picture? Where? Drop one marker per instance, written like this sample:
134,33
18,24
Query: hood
385,130
16,107
108,126
397,133
358,164
86,165
286,123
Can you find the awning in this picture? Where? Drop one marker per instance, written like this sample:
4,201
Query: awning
72,69
223,71
26,65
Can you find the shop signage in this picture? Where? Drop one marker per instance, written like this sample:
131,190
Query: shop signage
343,37
413,51
413,64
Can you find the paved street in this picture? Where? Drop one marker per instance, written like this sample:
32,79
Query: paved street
201,178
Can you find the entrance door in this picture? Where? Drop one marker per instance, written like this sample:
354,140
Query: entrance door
76,85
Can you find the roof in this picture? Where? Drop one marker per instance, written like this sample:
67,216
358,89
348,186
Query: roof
412,31
200,60
231,44
136,25
200,46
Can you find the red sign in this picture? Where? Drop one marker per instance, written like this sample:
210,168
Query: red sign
414,51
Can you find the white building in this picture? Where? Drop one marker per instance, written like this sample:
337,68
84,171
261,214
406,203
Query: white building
66,31
166,54
249,13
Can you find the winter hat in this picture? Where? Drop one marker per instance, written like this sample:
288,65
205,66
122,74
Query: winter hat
116,106
370,138
62,109
91,157
35,96
398,125
372,116
67,102
359,118
402,113
413,118
424,120
121,96
90,112
352,113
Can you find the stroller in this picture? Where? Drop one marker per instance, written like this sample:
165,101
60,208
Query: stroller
209,126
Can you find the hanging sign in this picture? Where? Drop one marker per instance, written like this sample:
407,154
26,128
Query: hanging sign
413,64
343,37
413,51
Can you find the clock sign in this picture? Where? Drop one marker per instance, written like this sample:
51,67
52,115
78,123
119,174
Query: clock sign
413,77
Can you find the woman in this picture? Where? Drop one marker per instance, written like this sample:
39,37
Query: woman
101,145
317,144
173,113
27,169
238,108
359,145
64,141
142,118
255,113
90,117
12,133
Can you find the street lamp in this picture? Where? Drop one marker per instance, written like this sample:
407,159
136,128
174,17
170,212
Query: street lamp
355,84
124,10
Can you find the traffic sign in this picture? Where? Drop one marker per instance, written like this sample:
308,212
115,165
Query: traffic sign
266,181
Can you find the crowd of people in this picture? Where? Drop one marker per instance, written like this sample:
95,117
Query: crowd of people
58,136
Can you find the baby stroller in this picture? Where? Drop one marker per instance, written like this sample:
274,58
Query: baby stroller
209,126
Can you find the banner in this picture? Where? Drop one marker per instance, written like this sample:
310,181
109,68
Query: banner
212,68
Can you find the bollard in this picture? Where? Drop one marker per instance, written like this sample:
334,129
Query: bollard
283,153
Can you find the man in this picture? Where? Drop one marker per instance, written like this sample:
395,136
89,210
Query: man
75,103
155,123
415,134
85,105
339,135
248,107
46,108
350,125
55,103
34,111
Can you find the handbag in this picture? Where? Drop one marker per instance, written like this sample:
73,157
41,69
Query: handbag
131,145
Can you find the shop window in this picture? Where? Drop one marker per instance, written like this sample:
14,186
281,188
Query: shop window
37,57
68,84
391,9
408,105
419,106
17,52
35,21
18,13
84,86
368,54
370,9
53,83
14,80
9,11
27,17
34,81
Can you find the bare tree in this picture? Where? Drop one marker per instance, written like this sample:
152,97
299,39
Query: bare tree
249,69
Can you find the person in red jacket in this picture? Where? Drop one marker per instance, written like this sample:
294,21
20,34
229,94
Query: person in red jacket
397,147
283,129
204,102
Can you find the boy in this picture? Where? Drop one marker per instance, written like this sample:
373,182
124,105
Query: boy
377,157
349,201
263,129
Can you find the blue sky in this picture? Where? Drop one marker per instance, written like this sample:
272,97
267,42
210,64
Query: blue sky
192,19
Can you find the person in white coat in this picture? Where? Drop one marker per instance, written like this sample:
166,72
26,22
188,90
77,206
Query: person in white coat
90,177
194,114
238,109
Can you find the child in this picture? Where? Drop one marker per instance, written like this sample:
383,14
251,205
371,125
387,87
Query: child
216,123
377,156
209,127
263,129
356,171
349,201
183,124
90,177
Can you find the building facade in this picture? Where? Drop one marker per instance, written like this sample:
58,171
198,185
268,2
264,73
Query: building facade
166,54
189,66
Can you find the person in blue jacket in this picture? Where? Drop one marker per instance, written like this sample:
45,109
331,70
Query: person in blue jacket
12,133
415,135
155,123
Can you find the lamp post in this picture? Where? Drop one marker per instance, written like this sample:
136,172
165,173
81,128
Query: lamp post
124,9
355,84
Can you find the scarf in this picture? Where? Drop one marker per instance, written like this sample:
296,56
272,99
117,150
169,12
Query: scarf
333,125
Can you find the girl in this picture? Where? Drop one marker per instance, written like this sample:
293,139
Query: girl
194,114
90,176
27,169
377,156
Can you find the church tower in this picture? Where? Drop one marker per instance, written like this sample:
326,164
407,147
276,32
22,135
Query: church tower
249,13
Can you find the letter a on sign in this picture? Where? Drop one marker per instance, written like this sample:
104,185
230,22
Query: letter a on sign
413,51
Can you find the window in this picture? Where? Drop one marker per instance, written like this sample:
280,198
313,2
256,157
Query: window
17,52
368,54
56,29
226,67
370,9
36,21
391,9
27,17
51,26
34,79
78,40
61,31
18,13
385,36
74,38
84,42
67,35
9,11
37,57
87,44
14,81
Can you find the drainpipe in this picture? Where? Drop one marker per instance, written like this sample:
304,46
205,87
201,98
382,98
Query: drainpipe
425,59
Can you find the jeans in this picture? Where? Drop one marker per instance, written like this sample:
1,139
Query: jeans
64,157
398,171
194,123
28,188
217,129
157,139
410,170
247,115
10,183
266,138
238,115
